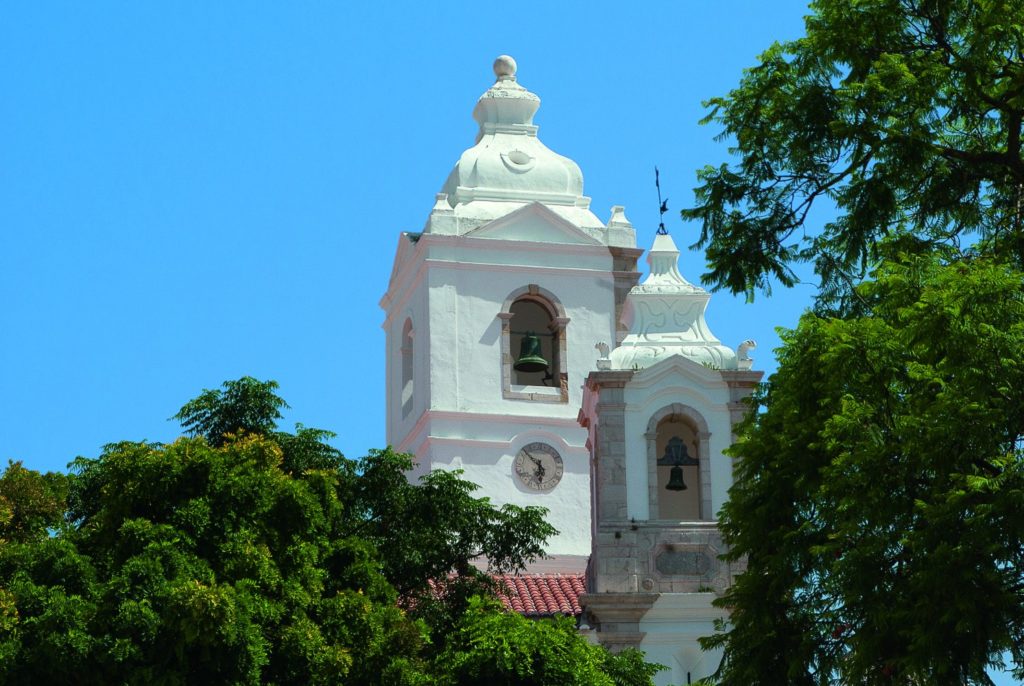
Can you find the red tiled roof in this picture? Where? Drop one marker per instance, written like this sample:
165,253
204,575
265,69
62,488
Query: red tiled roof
536,595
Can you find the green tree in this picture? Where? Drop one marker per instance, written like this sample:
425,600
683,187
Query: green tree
903,116
879,494
440,524
506,649
30,503
190,563
878,487
249,555
246,405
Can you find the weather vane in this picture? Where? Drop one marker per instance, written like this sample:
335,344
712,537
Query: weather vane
662,205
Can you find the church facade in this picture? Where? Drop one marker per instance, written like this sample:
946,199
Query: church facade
522,350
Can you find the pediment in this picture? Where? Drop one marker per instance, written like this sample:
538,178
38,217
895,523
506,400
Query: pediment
535,223
688,372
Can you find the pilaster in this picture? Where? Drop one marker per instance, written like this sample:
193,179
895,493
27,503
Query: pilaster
626,276
741,386
609,455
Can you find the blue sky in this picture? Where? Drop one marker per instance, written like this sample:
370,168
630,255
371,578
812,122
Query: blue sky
191,192
196,191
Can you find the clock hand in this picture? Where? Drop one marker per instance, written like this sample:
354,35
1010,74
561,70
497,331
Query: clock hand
539,471
536,461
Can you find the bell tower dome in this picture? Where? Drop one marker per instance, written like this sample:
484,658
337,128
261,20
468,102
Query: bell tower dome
492,314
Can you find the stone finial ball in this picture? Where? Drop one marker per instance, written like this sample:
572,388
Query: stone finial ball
504,66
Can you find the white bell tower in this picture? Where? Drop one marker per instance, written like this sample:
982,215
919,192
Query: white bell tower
511,261
660,411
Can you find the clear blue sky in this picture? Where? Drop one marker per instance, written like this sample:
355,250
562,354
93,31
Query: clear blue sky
190,192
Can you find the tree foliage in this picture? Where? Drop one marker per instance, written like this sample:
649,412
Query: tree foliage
879,486
30,503
904,116
879,496
245,405
506,649
249,555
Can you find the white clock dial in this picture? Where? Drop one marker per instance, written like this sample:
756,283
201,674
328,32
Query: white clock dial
539,467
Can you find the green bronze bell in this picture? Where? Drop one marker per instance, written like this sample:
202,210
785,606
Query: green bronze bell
530,359
675,480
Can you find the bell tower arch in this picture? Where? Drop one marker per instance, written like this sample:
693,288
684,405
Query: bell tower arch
533,346
678,473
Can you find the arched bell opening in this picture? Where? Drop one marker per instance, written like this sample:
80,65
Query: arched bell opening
533,346
679,474
678,469
533,341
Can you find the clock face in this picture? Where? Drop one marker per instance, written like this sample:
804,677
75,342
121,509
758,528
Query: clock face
539,467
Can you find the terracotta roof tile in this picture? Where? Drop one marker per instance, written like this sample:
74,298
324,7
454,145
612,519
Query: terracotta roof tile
539,595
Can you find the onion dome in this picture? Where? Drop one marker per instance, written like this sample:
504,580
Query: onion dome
509,164
665,315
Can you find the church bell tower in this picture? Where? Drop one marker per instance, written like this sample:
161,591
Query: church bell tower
493,314
522,350
661,410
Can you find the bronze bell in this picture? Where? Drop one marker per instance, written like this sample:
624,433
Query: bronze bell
530,359
675,480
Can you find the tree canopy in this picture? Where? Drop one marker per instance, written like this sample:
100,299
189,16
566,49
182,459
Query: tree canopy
245,554
880,492
902,116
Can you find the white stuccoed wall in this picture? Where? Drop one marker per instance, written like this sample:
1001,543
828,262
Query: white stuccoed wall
672,628
405,300
468,425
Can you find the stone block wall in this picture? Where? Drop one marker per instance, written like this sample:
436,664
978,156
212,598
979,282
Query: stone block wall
632,557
